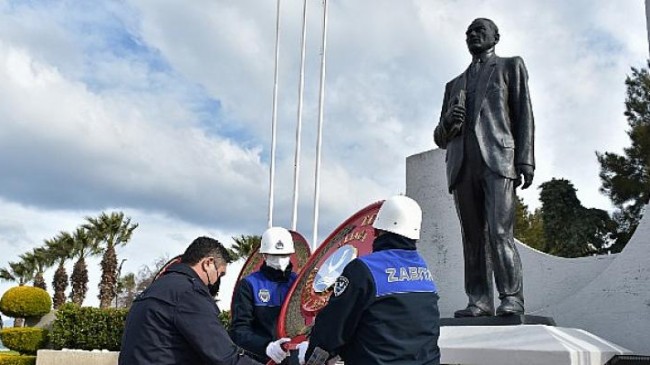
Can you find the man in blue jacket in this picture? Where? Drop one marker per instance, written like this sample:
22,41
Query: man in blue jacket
175,320
258,298
384,306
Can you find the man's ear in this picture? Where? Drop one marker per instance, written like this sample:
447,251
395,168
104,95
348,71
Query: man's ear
496,38
203,262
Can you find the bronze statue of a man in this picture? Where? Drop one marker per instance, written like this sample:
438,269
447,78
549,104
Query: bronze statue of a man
486,126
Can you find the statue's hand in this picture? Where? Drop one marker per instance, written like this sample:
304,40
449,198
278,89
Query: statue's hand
528,173
454,118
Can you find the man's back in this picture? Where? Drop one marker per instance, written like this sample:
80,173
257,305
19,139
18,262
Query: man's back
402,322
384,309
150,335
175,321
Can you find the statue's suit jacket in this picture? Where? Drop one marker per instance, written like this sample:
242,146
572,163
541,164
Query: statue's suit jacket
502,119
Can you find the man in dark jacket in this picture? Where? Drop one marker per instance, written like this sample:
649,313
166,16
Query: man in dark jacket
384,307
258,298
175,320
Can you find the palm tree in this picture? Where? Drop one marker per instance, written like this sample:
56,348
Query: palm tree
109,231
38,261
61,249
84,246
17,272
29,263
244,246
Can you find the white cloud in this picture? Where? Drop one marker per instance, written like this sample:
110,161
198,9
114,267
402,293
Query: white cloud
90,146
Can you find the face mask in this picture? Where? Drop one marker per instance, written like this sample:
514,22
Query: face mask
278,262
213,288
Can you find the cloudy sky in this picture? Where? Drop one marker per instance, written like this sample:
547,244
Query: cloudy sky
162,108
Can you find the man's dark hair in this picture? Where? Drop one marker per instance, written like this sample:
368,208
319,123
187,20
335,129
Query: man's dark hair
203,247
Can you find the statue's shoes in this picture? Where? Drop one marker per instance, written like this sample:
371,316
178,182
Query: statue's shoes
510,307
471,311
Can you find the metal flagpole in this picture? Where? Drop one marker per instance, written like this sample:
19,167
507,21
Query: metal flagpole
301,87
274,114
320,128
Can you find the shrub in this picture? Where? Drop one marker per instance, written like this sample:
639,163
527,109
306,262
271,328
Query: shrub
225,319
24,340
25,301
6,359
86,328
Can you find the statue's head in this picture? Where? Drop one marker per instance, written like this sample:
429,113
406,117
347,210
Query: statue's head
481,35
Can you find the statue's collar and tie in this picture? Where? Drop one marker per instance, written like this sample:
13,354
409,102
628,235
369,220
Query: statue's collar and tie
483,57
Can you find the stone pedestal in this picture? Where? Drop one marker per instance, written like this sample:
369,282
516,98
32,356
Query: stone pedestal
530,345
497,321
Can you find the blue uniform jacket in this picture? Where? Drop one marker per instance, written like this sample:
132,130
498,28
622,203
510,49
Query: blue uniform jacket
256,307
384,309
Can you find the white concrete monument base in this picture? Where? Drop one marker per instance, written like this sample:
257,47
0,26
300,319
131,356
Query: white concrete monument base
527,344
76,357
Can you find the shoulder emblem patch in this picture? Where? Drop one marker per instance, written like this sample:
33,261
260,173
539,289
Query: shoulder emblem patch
264,295
340,285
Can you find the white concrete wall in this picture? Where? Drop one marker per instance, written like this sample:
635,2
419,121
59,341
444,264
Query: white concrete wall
616,304
607,295
76,357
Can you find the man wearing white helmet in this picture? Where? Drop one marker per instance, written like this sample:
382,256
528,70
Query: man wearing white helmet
384,306
258,298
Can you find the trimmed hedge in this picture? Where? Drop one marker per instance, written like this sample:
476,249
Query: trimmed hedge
25,301
86,328
26,340
17,359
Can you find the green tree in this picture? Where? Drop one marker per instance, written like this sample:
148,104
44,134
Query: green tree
529,227
244,246
30,269
130,285
84,246
37,261
109,231
126,290
571,230
626,178
61,249
16,272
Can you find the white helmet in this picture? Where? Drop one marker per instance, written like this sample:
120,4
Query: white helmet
277,241
401,215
